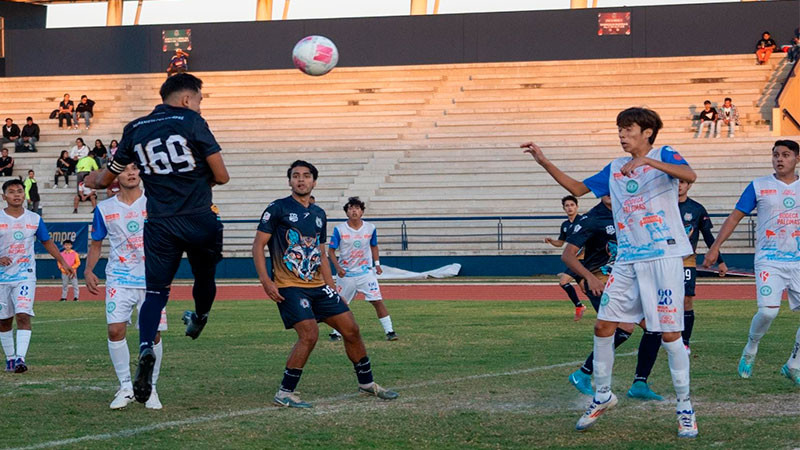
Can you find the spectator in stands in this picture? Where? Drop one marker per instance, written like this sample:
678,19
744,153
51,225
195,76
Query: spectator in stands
84,166
32,192
708,118
764,47
63,169
100,153
72,258
728,115
65,110
84,109
179,63
29,137
6,163
84,193
793,53
10,131
112,149
78,151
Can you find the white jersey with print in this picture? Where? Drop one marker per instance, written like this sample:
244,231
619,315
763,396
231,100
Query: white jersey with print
778,230
645,206
355,253
124,226
17,238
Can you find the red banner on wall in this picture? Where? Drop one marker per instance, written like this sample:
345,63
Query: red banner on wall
615,23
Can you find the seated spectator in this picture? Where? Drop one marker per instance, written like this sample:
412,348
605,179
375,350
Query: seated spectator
29,137
84,109
100,153
708,117
179,63
10,131
63,169
793,53
764,48
112,149
6,163
84,166
728,115
84,193
32,192
78,151
65,110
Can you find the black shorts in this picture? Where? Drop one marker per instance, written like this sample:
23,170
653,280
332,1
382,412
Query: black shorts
317,303
689,280
166,238
569,272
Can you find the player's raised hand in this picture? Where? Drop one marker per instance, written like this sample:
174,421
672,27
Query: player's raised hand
631,165
535,151
723,269
711,257
5,261
91,282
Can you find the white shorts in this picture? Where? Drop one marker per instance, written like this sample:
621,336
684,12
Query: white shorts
17,298
649,290
771,281
120,303
366,284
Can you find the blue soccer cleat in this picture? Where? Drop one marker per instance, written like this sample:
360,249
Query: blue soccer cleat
792,374
641,390
10,365
290,400
582,382
20,366
746,365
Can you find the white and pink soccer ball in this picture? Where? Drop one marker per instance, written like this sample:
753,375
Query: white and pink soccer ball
315,55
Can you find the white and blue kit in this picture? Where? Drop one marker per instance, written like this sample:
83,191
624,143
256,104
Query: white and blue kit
18,279
355,257
647,281
125,275
777,257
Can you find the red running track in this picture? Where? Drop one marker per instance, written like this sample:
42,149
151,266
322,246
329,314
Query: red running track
472,292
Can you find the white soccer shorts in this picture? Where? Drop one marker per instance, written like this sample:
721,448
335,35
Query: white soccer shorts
649,290
17,298
120,303
366,284
771,281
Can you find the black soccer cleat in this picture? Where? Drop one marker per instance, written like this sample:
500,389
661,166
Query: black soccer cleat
391,336
143,381
194,324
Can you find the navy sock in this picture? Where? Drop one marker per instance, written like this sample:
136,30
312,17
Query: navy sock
290,379
573,296
688,324
620,336
363,371
150,316
648,353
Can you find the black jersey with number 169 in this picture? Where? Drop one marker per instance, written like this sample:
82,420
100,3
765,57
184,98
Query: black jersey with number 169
170,147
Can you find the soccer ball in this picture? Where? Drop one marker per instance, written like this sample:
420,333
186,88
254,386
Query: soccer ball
315,55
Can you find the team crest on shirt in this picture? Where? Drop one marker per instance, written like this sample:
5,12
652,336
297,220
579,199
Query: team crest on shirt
293,217
632,186
302,255
132,226
577,228
319,222
18,235
357,244
610,229
788,202
687,217
265,217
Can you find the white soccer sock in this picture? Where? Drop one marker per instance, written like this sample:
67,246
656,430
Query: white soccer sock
679,368
758,328
333,331
794,359
23,340
603,365
121,359
7,340
387,324
158,349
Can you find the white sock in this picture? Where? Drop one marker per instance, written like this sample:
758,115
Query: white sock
333,331
603,365
758,328
387,324
121,359
7,340
679,368
794,359
23,340
158,349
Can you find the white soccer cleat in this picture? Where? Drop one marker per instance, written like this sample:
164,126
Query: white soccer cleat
153,402
122,398
687,424
594,412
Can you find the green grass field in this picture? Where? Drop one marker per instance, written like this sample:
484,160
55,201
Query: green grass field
470,375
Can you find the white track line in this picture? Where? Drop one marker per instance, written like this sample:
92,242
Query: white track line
39,322
256,411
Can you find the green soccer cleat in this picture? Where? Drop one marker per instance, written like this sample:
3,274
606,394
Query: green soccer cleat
792,374
290,400
746,365
641,390
377,391
582,382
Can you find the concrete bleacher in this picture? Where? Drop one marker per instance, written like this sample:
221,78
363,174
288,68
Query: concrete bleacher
436,140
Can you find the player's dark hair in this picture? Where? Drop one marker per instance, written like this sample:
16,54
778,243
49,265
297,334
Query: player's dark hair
301,163
9,118
707,102
9,183
67,241
567,198
84,97
791,145
354,201
728,99
645,118
180,82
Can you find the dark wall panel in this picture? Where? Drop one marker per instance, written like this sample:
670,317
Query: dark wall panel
21,16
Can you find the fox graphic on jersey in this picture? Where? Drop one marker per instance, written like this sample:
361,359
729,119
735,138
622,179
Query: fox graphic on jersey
302,255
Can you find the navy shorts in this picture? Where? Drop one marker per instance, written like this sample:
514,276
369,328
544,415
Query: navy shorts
569,272
166,238
689,281
317,303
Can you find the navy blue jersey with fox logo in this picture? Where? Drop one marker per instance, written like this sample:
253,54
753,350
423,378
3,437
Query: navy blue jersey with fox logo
598,238
298,234
170,147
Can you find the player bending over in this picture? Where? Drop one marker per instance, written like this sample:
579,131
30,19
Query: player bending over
570,205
